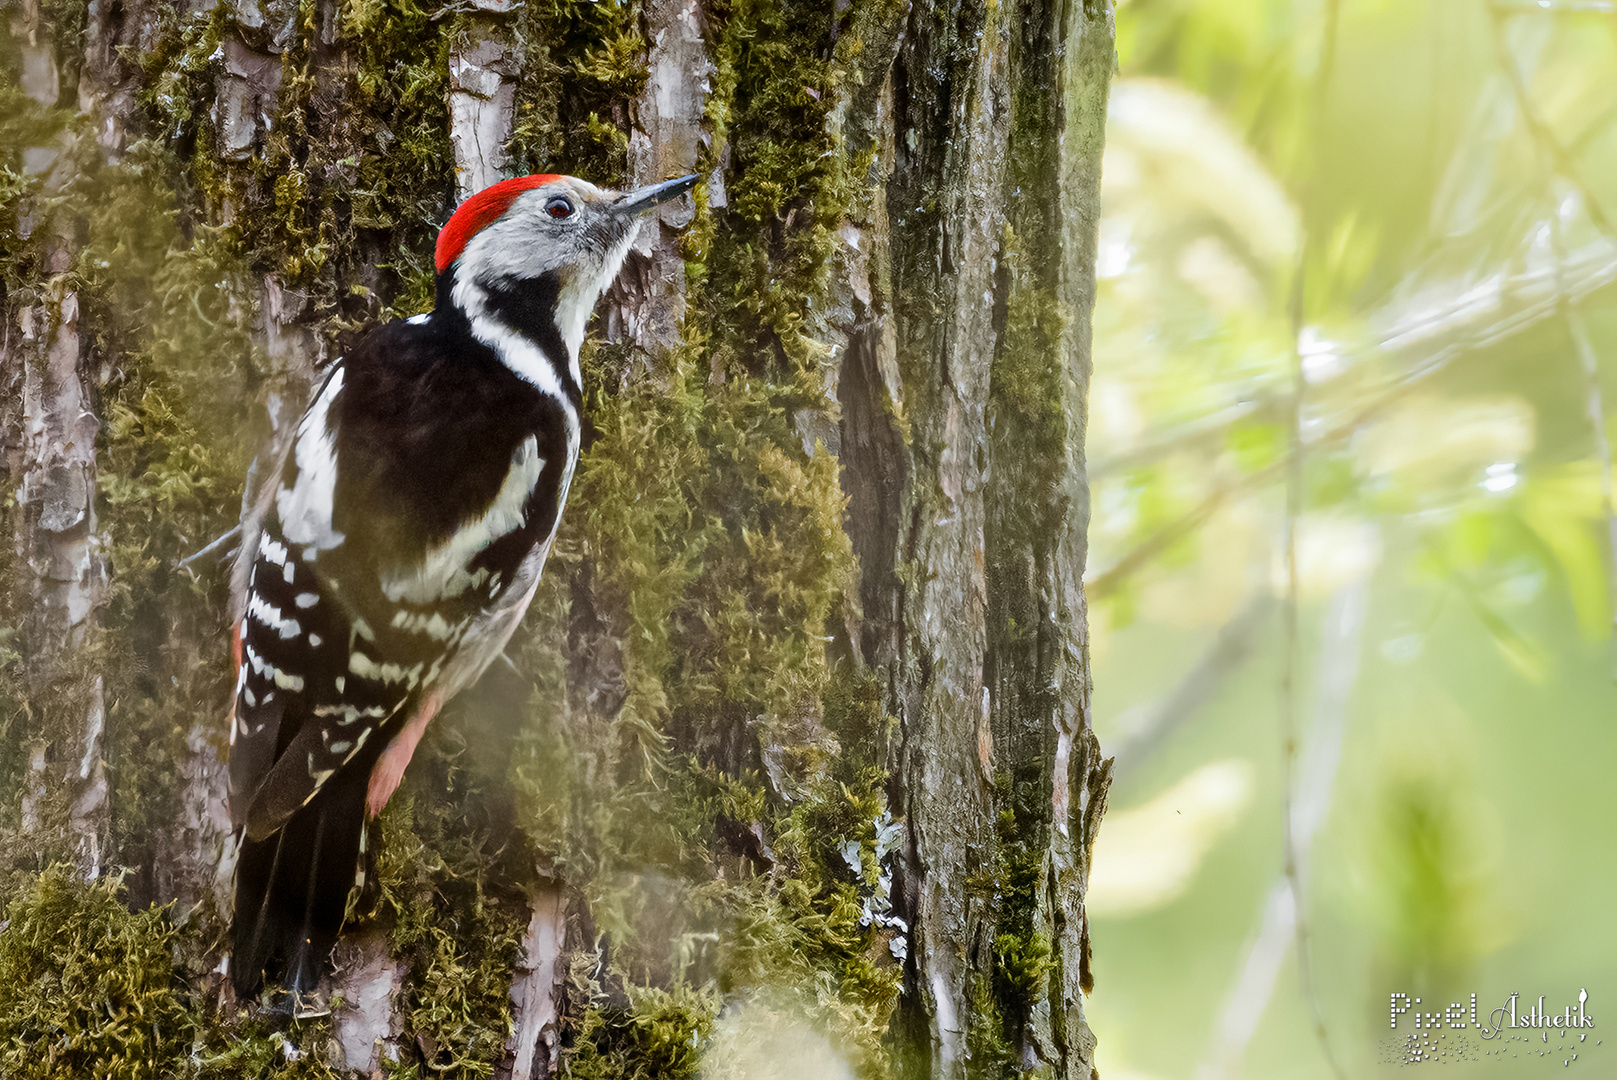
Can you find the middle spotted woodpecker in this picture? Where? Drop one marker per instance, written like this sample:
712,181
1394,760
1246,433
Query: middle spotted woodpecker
398,543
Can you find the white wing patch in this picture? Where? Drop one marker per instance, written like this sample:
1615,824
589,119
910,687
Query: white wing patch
442,572
269,616
348,714
261,666
435,626
272,549
305,508
386,671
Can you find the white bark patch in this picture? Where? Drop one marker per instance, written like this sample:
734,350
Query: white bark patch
247,98
647,307
63,570
367,1027
34,793
535,1044
482,104
948,1020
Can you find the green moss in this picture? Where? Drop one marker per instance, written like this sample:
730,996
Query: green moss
88,992
657,1035
584,63
85,986
706,546
702,557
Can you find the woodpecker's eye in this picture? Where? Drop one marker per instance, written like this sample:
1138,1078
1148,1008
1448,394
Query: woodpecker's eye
559,206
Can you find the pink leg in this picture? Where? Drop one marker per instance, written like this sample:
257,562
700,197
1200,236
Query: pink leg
389,768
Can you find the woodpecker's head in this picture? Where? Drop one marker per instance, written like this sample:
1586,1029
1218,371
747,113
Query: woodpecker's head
533,254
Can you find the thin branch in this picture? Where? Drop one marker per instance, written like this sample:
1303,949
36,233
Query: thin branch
1553,7
212,548
1596,270
1340,647
1204,431
1588,359
1295,461
1539,128
1143,554
1223,658
1433,363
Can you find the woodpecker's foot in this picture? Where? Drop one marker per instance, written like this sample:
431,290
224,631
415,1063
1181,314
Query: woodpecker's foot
390,766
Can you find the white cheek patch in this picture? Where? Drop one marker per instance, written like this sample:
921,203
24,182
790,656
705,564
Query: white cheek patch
515,351
579,294
509,248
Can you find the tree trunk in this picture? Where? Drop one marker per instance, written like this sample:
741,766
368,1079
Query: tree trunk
793,760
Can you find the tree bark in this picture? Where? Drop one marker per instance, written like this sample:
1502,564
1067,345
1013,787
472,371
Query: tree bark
801,713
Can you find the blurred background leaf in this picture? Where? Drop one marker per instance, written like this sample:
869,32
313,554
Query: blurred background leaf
1442,174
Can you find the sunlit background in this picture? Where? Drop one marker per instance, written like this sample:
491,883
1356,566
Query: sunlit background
1383,232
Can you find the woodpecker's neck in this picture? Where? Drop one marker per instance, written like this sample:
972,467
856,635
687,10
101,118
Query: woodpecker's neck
527,322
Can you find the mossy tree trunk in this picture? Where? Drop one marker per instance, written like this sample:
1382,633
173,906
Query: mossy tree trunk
792,761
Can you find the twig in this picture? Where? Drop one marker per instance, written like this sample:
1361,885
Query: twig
1552,7
1588,359
1282,925
1206,429
1594,274
1540,129
1140,556
1295,461
235,531
1143,553
1223,658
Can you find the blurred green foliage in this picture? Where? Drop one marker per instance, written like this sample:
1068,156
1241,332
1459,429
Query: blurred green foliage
1387,224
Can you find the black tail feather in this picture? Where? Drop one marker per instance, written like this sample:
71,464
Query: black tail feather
292,889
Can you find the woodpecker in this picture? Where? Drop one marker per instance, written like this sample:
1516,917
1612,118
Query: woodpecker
397,544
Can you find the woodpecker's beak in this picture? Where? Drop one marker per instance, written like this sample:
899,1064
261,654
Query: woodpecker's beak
643,199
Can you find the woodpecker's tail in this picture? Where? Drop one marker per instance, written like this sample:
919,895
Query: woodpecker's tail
292,889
